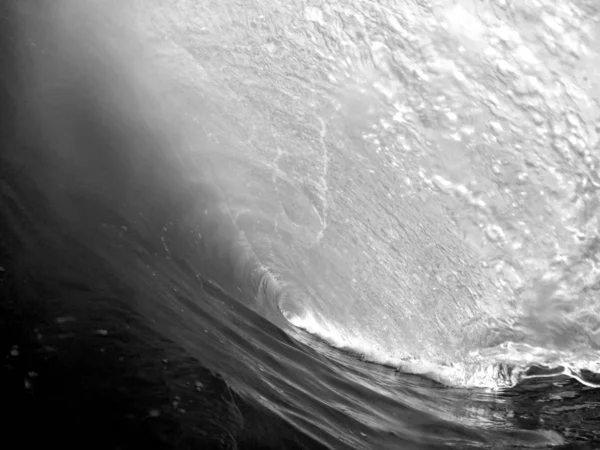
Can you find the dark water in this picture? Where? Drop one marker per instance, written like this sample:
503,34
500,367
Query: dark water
133,313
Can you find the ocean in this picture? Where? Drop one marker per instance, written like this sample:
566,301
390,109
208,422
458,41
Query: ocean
300,225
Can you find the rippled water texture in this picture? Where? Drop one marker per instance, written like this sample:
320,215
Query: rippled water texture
412,173
375,221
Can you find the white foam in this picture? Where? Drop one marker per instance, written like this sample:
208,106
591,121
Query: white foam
498,368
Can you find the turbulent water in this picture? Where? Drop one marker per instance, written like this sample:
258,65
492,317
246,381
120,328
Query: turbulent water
377,221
